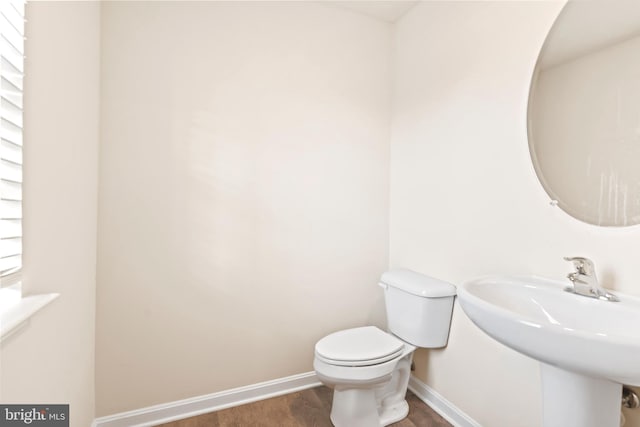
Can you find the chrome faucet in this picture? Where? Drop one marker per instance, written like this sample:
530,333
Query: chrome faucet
584,280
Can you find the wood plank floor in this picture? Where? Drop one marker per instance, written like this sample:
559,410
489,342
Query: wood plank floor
307,408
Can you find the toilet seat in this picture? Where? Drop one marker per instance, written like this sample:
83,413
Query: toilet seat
365,346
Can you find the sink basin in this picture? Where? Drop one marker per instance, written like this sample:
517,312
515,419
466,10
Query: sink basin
536,317
586,346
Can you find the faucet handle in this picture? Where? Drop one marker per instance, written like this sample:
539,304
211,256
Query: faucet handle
582,265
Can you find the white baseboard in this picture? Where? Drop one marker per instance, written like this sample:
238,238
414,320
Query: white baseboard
163,413
442,406
167,412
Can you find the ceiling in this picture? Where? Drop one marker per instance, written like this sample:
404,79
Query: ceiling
386,10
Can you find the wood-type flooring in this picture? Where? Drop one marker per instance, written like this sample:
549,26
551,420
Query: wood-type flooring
306,408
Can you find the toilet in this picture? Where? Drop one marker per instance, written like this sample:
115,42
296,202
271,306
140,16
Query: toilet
369,368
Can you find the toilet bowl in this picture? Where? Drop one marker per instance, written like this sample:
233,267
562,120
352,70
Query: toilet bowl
369,371
368,368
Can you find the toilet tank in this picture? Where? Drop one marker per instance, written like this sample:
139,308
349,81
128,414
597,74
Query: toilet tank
419,307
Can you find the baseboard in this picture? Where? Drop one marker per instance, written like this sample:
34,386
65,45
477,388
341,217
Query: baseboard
163,413
167,412
442,406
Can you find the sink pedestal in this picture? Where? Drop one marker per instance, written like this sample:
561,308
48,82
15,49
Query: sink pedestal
574,400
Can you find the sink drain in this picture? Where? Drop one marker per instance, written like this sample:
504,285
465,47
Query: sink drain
630,398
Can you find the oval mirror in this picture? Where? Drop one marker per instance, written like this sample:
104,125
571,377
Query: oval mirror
584,112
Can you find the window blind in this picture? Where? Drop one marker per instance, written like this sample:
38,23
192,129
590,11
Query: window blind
11,78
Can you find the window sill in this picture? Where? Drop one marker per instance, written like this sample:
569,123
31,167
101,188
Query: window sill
15,311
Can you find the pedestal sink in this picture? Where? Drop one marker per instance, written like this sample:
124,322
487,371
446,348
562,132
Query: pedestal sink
588,348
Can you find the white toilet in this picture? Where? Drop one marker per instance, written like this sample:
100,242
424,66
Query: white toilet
368,368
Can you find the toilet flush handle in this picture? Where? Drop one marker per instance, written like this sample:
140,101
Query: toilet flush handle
383,285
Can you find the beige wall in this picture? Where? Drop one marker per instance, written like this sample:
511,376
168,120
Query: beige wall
243,192
52,360
465,200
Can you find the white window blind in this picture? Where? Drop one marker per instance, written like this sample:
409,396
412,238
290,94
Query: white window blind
11,77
